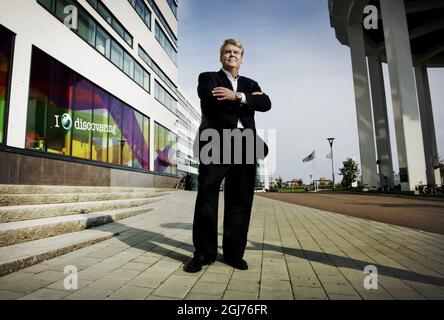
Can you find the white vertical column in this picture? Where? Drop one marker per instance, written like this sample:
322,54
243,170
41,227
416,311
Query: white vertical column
18,103
428,125
405,107
381,121
363,107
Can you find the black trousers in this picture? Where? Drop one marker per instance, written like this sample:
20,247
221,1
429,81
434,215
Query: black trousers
238,192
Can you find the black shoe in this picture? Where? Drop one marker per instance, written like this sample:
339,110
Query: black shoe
240,264
195,264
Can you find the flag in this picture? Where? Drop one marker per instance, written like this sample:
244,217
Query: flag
310,157
328,156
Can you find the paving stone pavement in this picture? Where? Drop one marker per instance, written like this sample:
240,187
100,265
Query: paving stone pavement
294,252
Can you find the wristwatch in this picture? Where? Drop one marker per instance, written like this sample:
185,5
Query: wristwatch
238,96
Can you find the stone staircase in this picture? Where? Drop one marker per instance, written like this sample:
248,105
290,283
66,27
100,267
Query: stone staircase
41,222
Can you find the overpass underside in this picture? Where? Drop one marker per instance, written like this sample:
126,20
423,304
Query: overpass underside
408,35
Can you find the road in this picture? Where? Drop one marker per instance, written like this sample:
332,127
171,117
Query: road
424,215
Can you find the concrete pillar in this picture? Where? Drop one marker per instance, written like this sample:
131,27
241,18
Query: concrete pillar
428,125
381,121
405,107
363,107
18,103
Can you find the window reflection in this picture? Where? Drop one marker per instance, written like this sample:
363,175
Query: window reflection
165,147
69,115
6,39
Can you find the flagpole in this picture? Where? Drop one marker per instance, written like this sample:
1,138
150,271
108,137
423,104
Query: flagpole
314,176
315,173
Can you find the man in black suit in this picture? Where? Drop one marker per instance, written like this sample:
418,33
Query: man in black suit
228,103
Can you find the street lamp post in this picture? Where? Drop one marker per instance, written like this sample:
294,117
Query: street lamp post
330,140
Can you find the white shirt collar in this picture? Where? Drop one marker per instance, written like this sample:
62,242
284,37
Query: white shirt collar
230,76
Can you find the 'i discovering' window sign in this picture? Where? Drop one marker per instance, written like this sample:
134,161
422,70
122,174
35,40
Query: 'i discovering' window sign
66,122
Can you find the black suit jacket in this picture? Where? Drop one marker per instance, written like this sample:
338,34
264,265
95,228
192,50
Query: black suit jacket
225,114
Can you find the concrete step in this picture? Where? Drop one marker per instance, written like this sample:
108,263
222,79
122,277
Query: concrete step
39,211
22,255
17,232
43,189
46,198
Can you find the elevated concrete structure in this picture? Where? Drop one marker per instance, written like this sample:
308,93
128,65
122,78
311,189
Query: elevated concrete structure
407,35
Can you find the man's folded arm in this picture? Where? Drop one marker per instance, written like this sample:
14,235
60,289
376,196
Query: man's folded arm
258,102
205,91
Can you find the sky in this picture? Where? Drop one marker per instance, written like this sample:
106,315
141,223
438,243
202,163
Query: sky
292,52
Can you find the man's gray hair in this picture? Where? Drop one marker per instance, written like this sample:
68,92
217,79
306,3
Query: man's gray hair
233,42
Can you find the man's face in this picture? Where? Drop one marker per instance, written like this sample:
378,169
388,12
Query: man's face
231,57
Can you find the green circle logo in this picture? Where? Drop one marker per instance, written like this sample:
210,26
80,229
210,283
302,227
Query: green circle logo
66,121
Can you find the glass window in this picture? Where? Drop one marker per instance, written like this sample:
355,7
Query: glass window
118,28
128,65
82,118
48,4
138,74
38,101
128,38
147,18
6,41
146,143
127,142
117,55
173,7
157,33
87,28
165,144
140,8
138,140
172,158
99,150
146,81
104,12
93,3
69,115
103,42
58,114
156,90
115,141
147,59
161,95
165,43
60,9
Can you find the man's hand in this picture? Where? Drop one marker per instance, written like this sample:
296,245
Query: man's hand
224,94
257,93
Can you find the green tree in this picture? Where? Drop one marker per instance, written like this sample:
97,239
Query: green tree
349,172
278,183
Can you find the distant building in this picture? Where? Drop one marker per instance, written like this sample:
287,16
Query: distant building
189,117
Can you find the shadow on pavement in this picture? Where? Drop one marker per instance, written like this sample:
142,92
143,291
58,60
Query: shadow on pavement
151,241
321,257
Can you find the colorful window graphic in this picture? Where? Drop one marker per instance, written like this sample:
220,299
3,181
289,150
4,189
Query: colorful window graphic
165,149
6,40
71,116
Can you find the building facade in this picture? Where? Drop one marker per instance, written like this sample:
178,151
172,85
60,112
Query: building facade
188,117
89,94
